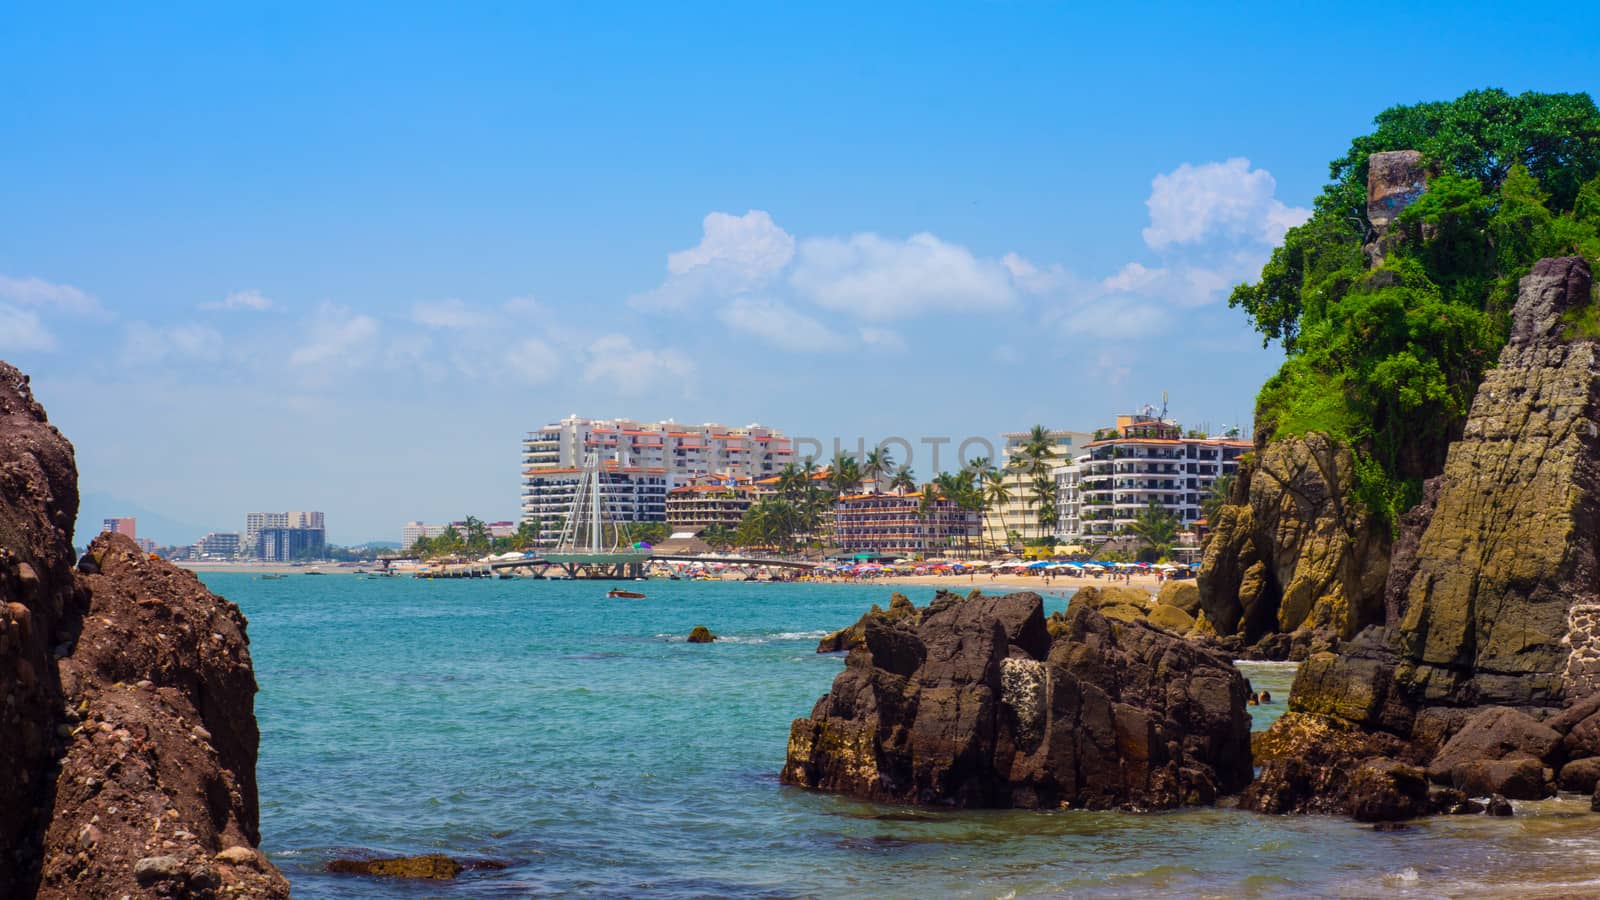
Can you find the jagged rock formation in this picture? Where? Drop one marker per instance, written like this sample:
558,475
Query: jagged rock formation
128,729
1299,552
900,609
1497,582
1504,603
979,702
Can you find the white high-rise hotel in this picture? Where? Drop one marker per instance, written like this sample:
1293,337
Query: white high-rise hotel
639,463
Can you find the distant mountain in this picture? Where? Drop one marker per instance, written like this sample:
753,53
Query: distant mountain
95,507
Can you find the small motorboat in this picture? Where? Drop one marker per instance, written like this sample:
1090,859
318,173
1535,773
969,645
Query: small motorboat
617,594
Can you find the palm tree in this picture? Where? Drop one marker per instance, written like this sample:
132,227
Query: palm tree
844,475
790,483
996,493
1043,498
903,481
1217,496
878,463
1157,527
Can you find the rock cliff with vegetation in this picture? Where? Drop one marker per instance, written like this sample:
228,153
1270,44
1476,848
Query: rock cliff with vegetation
1490,681
127,728
1391,303
983,702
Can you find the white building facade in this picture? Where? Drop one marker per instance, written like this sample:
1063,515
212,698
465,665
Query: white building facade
627,495
1144,459
1020,514
640,462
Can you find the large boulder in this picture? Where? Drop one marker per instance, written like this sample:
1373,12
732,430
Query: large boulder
128,732
1496,733
984,704
1300,551
1183,594
1504,604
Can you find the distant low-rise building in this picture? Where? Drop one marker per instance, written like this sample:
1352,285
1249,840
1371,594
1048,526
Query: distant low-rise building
699,505
218,545
416,530
902,525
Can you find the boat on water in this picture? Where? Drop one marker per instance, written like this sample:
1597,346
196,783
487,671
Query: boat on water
618,594
273,577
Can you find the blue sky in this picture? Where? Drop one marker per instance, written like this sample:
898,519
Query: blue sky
300,257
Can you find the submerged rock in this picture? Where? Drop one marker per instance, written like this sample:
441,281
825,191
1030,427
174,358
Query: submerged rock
981,703
701,635
432,867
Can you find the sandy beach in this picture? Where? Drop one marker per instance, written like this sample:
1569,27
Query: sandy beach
985,581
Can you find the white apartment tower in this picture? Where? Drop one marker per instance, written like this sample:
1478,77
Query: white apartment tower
639,463
1144,458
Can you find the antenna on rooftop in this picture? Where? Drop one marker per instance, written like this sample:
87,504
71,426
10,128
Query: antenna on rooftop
1163,405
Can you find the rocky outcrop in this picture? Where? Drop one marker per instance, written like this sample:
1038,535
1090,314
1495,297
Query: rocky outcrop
39,611
900,609
981,703
1299,553
1504,606
700,635
1395,179
1491,678
129,729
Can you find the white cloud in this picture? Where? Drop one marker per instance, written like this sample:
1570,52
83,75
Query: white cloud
880,278
450,313
145,344
526,306
629,369
1133,277
1034,280
533,361
883,339
251,300
735,254
33,291
1193,203
21,330
750,244
779,325
336,335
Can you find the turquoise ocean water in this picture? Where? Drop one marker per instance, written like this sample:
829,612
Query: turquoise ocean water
580,741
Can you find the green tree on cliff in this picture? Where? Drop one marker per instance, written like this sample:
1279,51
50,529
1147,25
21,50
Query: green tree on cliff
1387,360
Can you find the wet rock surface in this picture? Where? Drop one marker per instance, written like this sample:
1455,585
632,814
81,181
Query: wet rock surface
982,702
129,730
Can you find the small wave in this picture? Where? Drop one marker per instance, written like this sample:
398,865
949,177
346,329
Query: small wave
1403,878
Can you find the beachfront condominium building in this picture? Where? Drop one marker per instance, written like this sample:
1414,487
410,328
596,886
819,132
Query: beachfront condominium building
902,525
218,545
1144,459
706,502
683,451
256,521
640,462
290,544
414,531
1019,515
628,494
127,525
